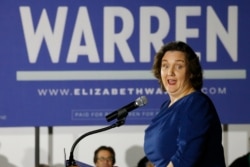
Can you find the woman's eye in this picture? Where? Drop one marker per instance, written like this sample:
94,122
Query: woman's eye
164,66
178,67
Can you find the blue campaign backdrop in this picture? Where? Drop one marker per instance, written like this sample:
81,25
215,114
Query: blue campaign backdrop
73,62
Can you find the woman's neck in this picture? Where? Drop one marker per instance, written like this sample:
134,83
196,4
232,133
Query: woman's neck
175,98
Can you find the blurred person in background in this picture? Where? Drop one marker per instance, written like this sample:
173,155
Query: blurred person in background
242,161
144,162
104,156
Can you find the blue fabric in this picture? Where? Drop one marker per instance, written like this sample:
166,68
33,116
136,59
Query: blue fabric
188,133
82,164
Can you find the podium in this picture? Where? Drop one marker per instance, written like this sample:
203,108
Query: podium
79,164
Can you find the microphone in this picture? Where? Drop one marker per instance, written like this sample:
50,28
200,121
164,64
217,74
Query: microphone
123,112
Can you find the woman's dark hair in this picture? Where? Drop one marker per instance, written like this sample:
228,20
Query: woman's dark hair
143,162
193,63
107,148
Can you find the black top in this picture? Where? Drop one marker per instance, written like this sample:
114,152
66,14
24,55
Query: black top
243,161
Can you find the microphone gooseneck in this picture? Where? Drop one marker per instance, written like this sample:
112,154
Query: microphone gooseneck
71,161
120,114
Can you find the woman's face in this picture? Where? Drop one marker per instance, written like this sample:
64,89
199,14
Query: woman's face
174,74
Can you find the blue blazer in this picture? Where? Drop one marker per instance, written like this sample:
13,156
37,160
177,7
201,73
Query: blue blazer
188,133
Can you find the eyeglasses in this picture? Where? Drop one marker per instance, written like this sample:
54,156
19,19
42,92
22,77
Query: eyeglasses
102,159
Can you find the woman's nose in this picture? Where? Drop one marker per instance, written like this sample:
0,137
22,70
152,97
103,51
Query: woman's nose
170,72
